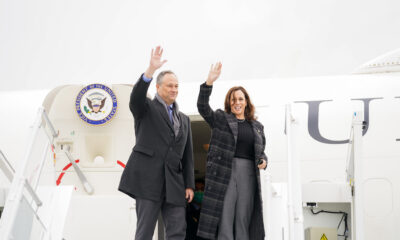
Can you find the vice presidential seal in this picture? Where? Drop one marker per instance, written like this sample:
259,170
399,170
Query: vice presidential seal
96,104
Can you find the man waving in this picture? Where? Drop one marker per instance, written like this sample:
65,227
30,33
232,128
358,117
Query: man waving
159,173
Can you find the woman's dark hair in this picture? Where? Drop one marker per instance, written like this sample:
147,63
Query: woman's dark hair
248,111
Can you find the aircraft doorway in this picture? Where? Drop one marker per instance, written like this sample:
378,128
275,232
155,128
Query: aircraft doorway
201,134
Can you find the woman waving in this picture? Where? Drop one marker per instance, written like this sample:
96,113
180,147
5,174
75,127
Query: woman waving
232,206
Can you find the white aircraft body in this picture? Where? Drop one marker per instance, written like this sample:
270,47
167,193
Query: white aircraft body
323,108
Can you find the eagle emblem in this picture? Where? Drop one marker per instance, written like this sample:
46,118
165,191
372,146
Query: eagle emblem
96,104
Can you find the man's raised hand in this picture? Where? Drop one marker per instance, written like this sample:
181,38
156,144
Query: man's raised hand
214,73
155,61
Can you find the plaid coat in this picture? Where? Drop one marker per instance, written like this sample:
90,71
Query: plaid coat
219,167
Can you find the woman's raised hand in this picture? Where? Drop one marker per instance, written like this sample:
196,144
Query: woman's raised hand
214,73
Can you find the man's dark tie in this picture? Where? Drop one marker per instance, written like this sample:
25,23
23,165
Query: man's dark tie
170,112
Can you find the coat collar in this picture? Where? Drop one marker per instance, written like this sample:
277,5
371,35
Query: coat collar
179,135
162,109
163,112
258,141
233,125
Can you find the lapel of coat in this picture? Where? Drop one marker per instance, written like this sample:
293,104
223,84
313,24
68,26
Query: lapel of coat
163,113
233,125
258,142
181,126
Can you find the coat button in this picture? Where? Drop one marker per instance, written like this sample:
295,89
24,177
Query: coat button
219,157
170,148
209,188
215,173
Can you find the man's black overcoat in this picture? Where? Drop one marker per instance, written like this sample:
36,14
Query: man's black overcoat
161,164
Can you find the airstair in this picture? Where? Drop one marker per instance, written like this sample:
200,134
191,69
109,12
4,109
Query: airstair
40,209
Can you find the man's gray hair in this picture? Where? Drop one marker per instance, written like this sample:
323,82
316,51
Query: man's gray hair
161,75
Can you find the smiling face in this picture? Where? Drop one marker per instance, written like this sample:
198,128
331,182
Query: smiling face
168,88
238,104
